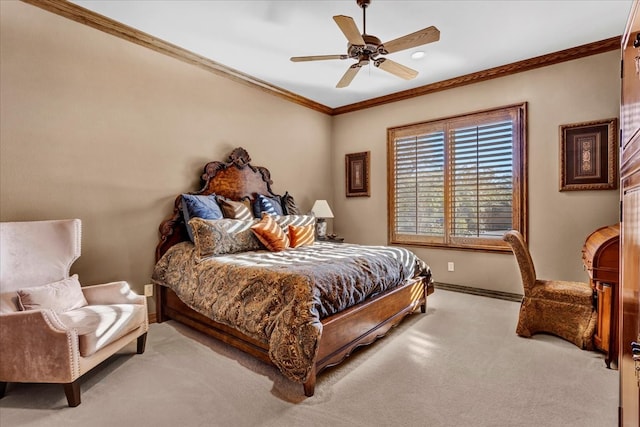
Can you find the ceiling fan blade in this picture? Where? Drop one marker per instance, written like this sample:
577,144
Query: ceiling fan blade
349,75
350,29
317,58
424,36
396,69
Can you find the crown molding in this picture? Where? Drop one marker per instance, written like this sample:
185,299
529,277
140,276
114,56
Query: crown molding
570,54
102,23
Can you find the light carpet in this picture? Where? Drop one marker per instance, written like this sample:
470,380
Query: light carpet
460,364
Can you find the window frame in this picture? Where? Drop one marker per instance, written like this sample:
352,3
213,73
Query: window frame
518,114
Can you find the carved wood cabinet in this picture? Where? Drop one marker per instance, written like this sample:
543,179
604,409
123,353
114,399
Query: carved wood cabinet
601,256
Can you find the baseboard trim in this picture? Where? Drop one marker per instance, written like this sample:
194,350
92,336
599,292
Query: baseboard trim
479,291
152,318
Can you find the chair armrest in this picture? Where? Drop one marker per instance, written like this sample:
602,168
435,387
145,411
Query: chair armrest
112,293
52,348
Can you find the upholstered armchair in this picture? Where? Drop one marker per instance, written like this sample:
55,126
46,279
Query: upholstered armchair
561,308
52,330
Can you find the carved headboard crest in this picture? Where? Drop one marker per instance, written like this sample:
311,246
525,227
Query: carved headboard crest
239,158
234,179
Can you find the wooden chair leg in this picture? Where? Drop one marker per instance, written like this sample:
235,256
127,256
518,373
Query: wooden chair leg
3,388
142,343
72,390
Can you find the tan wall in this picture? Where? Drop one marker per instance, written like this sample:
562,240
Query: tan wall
571,92
104,130
99,128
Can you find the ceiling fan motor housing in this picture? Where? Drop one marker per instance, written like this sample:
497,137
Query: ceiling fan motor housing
369,51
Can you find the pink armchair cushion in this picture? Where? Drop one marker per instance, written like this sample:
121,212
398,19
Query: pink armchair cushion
100,325
60,296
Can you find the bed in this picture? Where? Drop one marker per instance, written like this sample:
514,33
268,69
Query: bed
301,309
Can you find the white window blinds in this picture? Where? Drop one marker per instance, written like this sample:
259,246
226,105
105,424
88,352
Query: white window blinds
419,184
460,181
482,179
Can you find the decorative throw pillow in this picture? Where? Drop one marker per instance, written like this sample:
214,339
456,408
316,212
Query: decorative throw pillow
301,235
223,236
270,234
235,210
63,295
285,221
270,205
289,206
205,207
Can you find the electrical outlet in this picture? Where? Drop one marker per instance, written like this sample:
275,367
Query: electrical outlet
148,290
450,266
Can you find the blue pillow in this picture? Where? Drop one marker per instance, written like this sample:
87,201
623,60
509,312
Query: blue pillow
266,204
204,207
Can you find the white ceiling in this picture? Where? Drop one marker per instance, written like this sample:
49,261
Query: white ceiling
258,37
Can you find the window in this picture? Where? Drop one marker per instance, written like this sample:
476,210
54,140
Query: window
458,182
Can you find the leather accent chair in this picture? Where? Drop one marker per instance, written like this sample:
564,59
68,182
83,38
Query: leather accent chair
561,308
53,339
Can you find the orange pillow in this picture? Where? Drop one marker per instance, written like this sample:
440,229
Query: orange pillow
270,234
300,235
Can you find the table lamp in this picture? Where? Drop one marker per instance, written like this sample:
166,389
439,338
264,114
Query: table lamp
321,211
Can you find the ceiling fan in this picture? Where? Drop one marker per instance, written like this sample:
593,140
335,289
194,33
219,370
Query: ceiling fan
366,47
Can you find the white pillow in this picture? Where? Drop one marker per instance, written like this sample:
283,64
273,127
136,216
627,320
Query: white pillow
63,295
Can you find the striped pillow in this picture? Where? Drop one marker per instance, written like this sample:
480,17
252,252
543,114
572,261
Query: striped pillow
285,221
266,204
270,234
235,210
301,235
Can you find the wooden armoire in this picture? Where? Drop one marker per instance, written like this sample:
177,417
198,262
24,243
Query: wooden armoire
629,290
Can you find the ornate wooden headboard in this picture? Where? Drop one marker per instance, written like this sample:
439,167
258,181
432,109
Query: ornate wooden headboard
234,179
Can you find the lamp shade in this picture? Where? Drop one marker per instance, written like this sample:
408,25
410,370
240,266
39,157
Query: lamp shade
321,209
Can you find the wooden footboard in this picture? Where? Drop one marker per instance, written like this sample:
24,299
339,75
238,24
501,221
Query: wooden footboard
342,333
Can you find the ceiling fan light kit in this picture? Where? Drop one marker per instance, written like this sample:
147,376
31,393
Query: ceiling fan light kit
366,48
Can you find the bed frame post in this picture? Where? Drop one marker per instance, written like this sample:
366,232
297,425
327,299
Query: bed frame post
428,290
310,384
160,316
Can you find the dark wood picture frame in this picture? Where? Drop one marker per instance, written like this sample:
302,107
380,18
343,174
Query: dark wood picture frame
588,155
357,174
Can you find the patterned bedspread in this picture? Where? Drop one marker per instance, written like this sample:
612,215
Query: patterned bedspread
278,298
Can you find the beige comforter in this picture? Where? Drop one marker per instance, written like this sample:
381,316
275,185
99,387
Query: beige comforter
278,298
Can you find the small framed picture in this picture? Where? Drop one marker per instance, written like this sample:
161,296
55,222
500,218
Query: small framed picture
357,174
588,156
